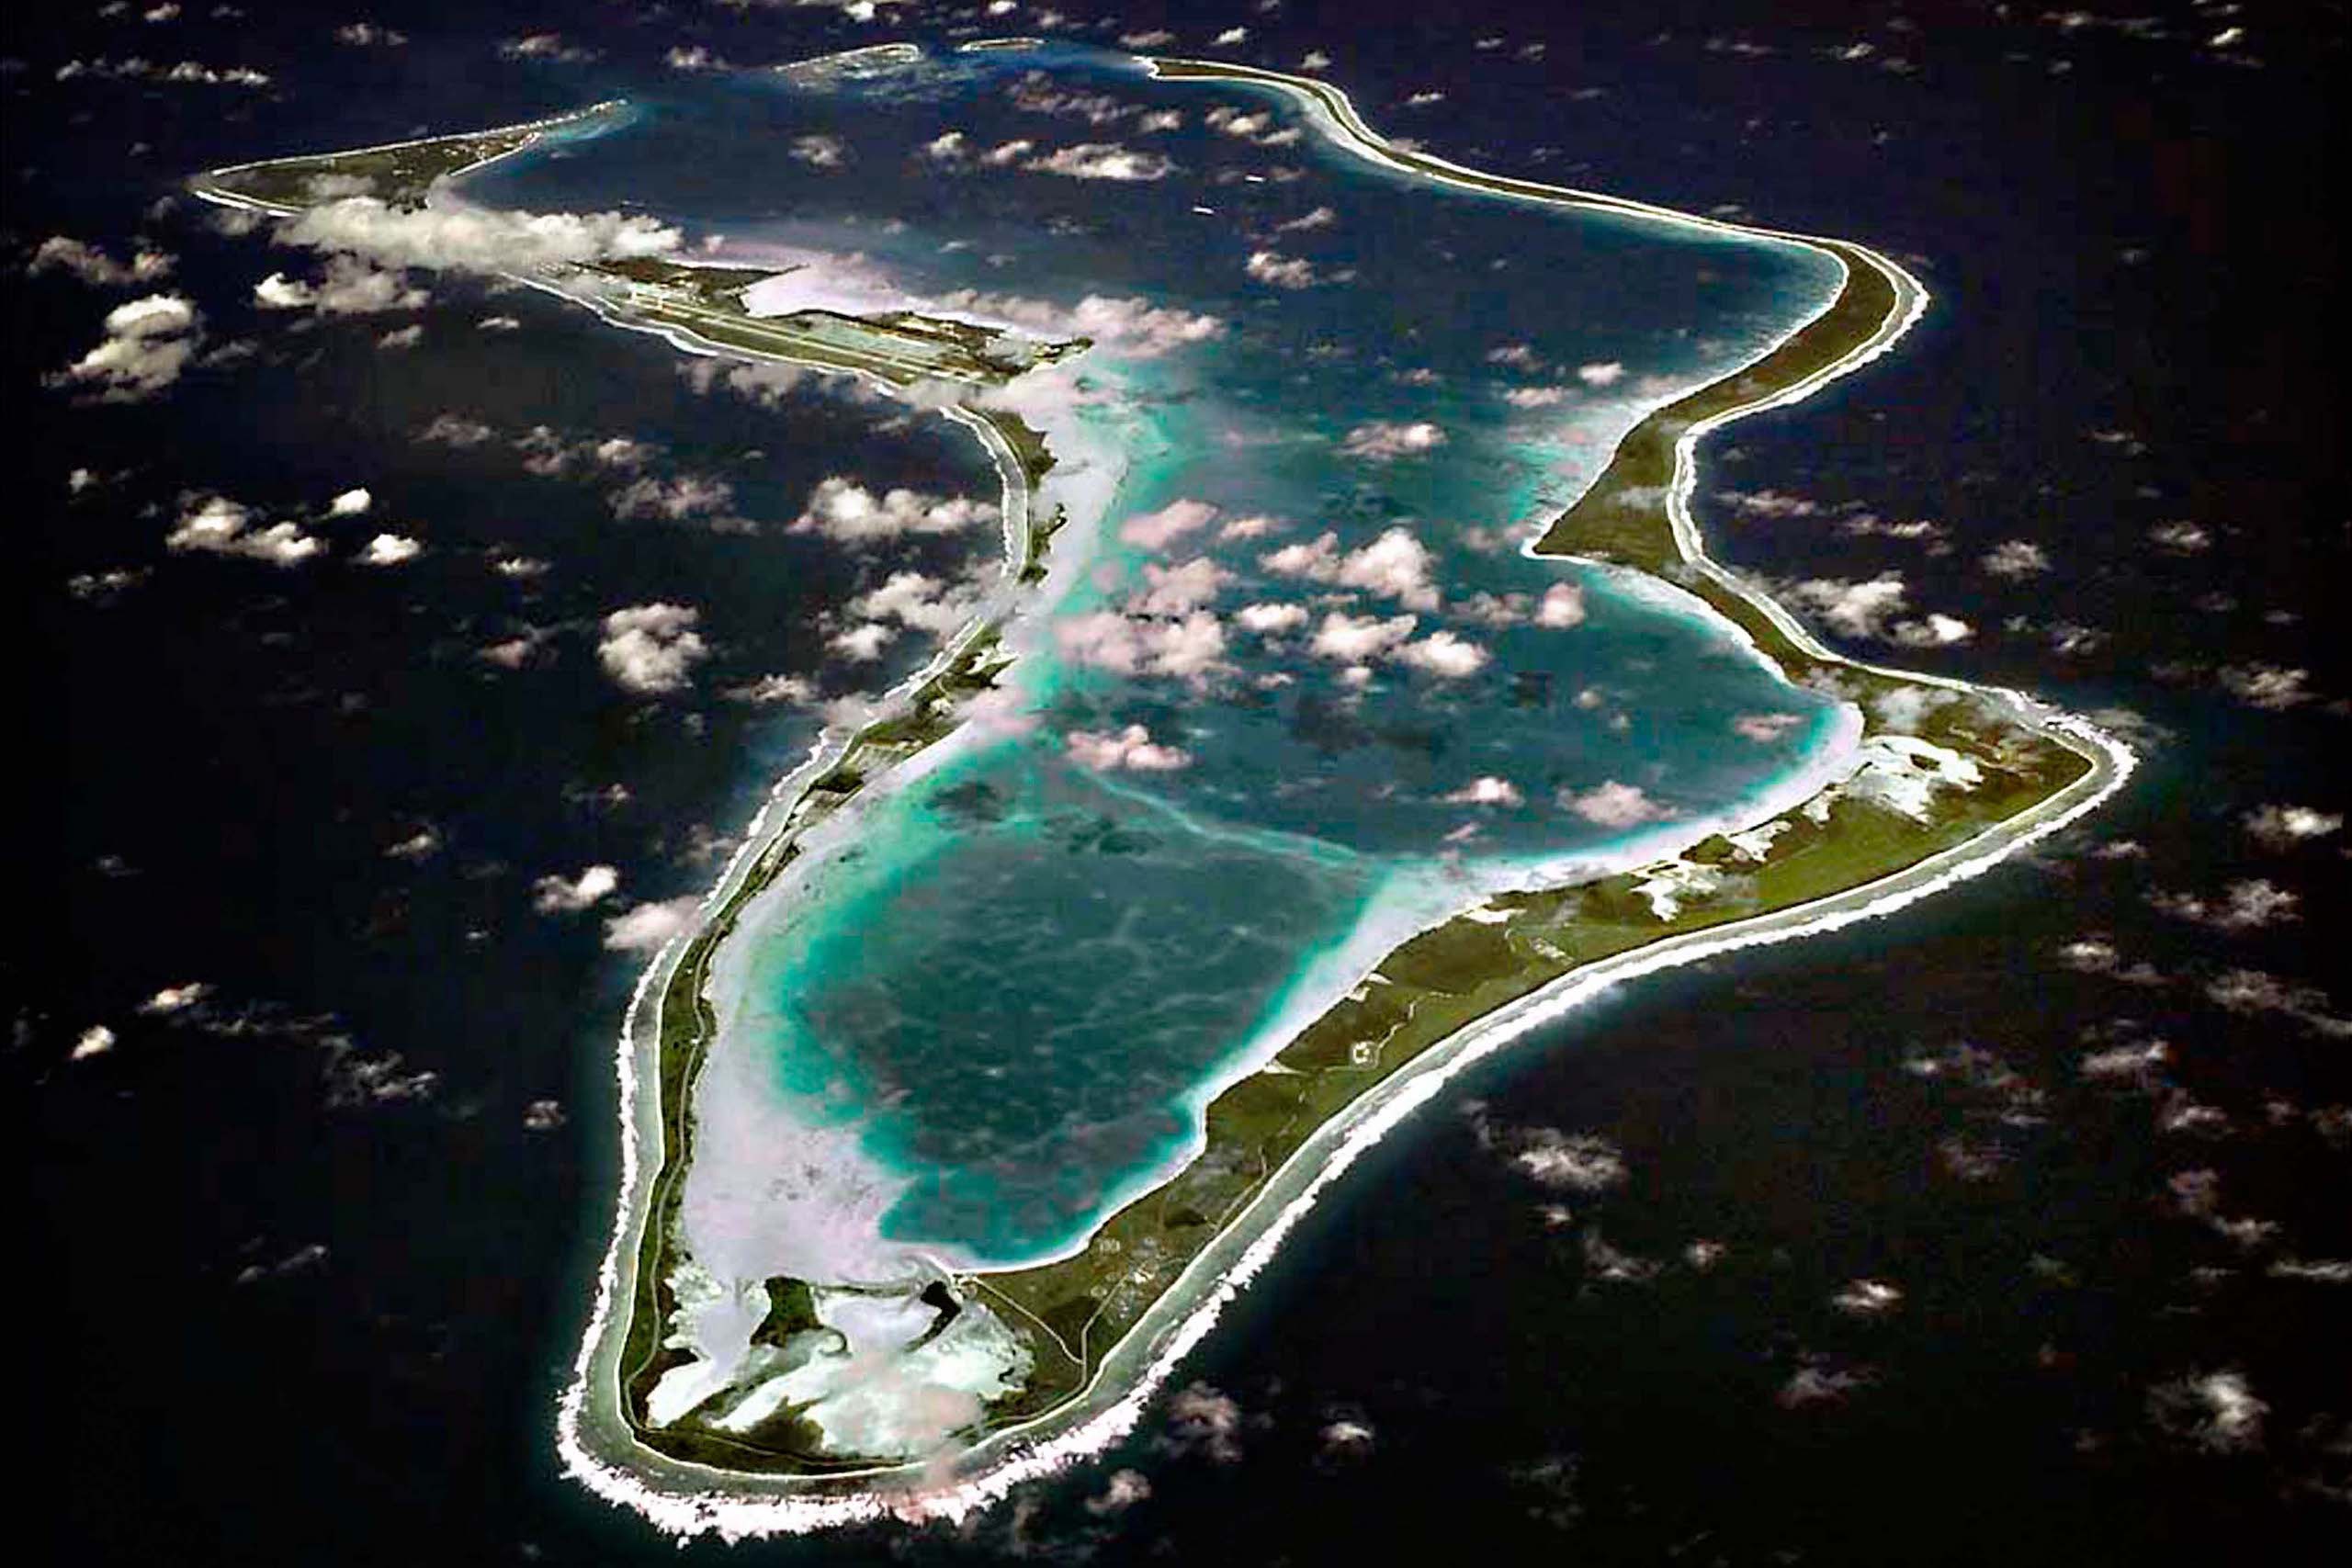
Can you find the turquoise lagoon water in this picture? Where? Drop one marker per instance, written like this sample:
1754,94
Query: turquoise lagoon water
1021,979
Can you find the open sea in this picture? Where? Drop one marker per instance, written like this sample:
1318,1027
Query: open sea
2010,1228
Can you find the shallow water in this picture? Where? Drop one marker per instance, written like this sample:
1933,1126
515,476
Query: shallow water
1297,679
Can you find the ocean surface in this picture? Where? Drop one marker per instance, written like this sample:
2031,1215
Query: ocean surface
310,1249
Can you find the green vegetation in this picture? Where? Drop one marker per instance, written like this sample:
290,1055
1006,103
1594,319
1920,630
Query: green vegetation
1070,1313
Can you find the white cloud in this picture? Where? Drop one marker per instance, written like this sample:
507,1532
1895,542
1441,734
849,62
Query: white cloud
217,525
1444,655
770,689
1179,590
820,152
1103,160
1396,565
2248,905
863,643
368,35
2016,558
1383,441
95,1040
1136,328
148,343
1132,749
176,999
402,337
350,503
93,264
1190,648
1125,1489
545,46
843,510
1563,606
645,927
651,647
1767,504
1320,218
1535,397
456,430
1613,805
2281,826
1607,373
391,549
1870,610
1281,271
559,896
694,58
1155,530
1359,639
1487,791
2218,1411
1268,619
472,238
948,147
2267,686
676,499
927,603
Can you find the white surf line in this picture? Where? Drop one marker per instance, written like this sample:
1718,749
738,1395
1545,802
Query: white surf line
685,1499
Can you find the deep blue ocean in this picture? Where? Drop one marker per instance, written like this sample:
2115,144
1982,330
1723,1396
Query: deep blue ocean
311,1247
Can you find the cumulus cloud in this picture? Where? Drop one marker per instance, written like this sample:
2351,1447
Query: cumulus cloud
1444,655
474,239
651,647
676,500
545,46
368,35
1613,805
1535,397
1123,1491
2283,827
843,510
2244,906
1202,1420
1156,530
820,152
215,524
1485,791
351,287
1770,503
1397,566
1874,609
456,430
391,549
1360,639
1320,218
148,343
2266,686
1607,373
2253,991
1281,271
1383,441
350,503
1132,749
93,264
1272,619
1136,328
554,895
1179,590
642,928
1190,648
2016,558
1103,160
2216,1411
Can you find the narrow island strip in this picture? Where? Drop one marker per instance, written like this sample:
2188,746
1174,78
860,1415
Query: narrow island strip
1950,779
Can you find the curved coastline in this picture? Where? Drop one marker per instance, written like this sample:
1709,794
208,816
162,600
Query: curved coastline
597,1442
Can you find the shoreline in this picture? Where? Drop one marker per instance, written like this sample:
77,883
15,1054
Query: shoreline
692,1498
597,1440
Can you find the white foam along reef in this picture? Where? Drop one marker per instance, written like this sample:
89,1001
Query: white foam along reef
594,1440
